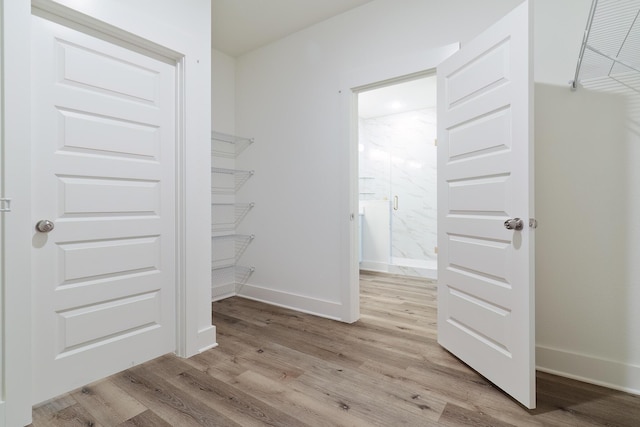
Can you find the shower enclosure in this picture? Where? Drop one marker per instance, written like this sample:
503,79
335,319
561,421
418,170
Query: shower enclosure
397,186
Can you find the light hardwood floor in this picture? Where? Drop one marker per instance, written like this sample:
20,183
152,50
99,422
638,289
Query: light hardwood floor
279,367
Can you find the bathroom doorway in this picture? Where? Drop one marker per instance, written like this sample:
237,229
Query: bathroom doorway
397,177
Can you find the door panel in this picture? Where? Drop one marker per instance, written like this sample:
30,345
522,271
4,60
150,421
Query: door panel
88,133
104,173
83,196
485,291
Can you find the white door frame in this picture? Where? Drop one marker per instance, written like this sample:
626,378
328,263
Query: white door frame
386,71
17,231
194,330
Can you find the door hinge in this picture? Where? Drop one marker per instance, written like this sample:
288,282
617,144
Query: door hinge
5,205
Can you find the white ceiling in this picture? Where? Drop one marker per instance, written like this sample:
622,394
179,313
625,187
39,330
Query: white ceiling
240,26
398,98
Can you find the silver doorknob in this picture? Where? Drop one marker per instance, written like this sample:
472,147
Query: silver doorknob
514,224
45,226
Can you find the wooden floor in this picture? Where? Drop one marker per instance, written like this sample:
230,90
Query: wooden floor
282,368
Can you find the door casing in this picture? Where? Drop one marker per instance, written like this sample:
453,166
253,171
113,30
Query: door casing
393,69
16,263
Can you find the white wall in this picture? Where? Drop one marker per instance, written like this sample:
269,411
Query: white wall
223,92
587,243
288,99
587,205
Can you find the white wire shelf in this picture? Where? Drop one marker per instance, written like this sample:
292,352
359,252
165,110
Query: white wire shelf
227,216
228,181
225,145
227,249
611,44
237,275
242,274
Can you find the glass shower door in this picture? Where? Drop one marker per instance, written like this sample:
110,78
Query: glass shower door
413,191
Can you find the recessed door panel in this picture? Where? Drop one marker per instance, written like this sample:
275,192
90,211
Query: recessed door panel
487,71
98,323
105,72
480,256
496,128
479,194
89,259
102,136
481,320
109,196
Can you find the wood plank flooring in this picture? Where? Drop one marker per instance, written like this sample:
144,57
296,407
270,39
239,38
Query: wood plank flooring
278,367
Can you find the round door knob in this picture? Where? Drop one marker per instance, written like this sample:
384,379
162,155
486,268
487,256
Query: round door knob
514,224
45,226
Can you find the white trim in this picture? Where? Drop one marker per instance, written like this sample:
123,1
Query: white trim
86,24
224,291
181,233
398,68
383,70
404,270
351,256
2,179
380,267
206,339
315,306
16,20
590,369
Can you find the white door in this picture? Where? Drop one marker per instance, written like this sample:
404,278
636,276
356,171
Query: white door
485,271
103,174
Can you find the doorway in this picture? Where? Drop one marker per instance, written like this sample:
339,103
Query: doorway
397,158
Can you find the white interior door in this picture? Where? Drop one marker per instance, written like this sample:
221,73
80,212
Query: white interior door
485,271
103,174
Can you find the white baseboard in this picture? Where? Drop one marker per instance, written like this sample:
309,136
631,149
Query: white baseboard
426,273
317,307
223,291
207,338
380,267
589,369
403,270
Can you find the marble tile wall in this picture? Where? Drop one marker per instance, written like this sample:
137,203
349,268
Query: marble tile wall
398,158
